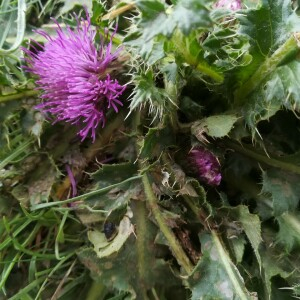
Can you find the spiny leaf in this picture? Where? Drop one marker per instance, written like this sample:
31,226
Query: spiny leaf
283,188
185,15
155,141
267,27
238,246
135,268
215,126
280,88
116,198
289,230
146,92
251,225
215,276
271,267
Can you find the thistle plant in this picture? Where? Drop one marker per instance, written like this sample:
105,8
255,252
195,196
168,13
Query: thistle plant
74,76
187,183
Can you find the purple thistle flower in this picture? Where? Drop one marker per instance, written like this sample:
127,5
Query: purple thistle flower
74,76
230,4
205,165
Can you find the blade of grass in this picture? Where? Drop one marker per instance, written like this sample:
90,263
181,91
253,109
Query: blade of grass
21,25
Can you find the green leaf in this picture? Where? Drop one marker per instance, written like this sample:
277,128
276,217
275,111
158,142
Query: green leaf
158,20
146,92
185,15
283,188
280,88
215,126
110,174
170,69
289,230
267,27
98,11
156,140
116,198
251,226
215,276
271,267
270,80
134,268
190,14
238,246
38,185
70,4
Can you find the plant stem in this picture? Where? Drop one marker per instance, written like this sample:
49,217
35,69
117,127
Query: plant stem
82,197
152,202
245,150
290,47
140,213
169,235
115,13
97,291
182,44
206,69
18,96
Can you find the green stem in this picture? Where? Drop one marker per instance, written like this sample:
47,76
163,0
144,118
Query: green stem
140,213
182,44
167,232
245,150
290,47
82,197
18,96
152,202
97,291
206,69
117,12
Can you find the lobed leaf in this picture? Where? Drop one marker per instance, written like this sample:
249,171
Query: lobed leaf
215,276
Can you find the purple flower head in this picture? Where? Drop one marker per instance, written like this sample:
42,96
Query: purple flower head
229,4
205,165
74,76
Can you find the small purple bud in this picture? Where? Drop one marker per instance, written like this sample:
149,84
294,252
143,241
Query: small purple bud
205,165
229,4
74,76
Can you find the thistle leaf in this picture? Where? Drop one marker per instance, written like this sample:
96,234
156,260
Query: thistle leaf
215,276
215,126
283,188
251,226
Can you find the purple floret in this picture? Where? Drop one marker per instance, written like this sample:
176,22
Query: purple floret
205,165
230,4
74,76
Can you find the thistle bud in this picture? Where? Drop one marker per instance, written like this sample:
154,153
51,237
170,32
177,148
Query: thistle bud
205,165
